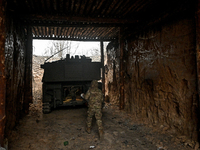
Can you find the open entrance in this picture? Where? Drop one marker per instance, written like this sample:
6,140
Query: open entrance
67,72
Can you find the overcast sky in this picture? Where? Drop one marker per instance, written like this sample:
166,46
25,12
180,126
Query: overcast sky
39,47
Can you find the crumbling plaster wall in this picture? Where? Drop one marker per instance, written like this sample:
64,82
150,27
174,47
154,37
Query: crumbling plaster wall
15,71
160,80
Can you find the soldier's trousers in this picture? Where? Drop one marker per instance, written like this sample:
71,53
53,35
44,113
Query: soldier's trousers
98,115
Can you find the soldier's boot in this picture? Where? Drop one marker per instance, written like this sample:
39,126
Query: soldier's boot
88,130
101,134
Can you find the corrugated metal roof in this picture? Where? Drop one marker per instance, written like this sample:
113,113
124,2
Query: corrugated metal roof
90,19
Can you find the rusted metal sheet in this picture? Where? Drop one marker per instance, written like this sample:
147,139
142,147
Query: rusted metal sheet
2,71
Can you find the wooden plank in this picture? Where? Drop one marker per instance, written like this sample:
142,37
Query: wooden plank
76,32
71,33
100,7
2,72
50,31
108,32
40,31
36,6
59,31
74,39
62,31
88,7
72,6
31,5
28,5
43,5
48,5
130,8
94,33
55,31
89,32
121,70
43,31
77,19
37,31
82,7
78,25
47,31
141,5
55,5
99,31
198,46
28,72
105,8
94,7
121,8
103,68
33,30
84,30
113,6
66,31
60,6
78,5
66,7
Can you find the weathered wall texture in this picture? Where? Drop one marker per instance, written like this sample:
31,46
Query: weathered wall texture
159,77
2,70
15,71
112,84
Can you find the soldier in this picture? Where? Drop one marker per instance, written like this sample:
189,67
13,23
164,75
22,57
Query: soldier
95,100
73,93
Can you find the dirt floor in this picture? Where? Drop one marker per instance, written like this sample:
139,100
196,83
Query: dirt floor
64,129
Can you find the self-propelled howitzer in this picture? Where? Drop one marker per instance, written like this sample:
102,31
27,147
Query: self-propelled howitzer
65,81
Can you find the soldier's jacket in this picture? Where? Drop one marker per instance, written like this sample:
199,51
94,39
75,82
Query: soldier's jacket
73,91
94,97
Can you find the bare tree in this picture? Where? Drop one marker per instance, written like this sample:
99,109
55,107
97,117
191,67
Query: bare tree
61,48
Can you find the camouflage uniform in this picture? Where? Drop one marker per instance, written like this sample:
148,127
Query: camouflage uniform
95,99
73,93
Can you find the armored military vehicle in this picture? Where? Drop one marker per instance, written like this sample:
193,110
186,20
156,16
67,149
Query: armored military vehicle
66,81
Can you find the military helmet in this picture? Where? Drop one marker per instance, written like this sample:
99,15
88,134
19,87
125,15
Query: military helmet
94,84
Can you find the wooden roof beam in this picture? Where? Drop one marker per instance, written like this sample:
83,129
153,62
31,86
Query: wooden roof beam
79,25
72,39
75,19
